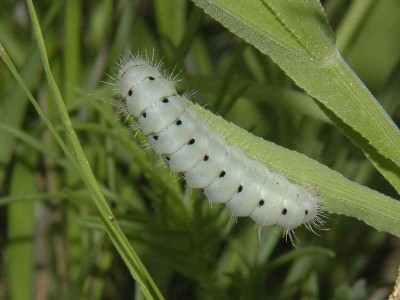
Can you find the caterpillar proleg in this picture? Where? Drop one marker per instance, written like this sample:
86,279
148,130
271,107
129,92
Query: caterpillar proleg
204,159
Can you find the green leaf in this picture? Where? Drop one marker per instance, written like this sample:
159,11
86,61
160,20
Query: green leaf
78,157
369,38
13,106
21,232
279,97
170,16
72,51
296,35
338,194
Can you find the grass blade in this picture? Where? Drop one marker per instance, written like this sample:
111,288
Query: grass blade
20,234
298,38
338,194
123,246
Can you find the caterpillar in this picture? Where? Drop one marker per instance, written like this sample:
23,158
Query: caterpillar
204,159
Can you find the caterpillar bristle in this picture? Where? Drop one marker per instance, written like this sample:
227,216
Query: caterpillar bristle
289,233
246,186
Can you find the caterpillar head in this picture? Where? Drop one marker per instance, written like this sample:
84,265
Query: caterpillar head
133,72
141,85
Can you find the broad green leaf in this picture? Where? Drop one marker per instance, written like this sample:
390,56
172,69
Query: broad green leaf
369,29
338,194
296,35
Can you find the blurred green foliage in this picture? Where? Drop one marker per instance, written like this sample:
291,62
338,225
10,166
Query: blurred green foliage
53,242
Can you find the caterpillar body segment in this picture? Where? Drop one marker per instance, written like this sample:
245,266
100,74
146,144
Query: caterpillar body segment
224,173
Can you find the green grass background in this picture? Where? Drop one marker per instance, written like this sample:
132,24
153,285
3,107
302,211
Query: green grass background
72,231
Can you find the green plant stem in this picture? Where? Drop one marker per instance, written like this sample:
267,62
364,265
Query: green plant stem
120,241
